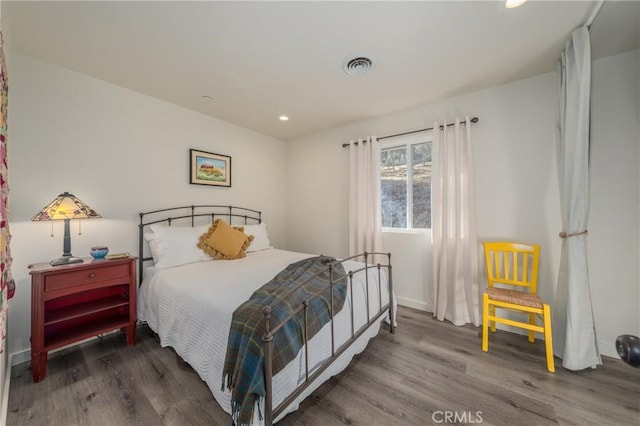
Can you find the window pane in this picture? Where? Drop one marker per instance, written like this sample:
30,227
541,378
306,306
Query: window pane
393,181
421,184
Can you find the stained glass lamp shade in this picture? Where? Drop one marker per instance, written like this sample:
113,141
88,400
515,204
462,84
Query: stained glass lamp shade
66,207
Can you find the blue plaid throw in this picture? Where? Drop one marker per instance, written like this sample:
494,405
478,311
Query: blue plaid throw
243,370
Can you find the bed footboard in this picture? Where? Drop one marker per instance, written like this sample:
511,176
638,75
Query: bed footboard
271,412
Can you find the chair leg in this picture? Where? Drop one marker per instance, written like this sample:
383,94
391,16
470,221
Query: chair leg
492,311
548,343
485,322
532,321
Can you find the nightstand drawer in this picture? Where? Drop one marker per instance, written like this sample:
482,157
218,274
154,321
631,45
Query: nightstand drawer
86,276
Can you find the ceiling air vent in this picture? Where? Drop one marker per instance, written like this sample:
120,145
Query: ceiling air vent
357,65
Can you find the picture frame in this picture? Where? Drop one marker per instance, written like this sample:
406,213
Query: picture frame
208,168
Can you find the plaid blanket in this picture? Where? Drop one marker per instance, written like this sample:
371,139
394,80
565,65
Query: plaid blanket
243,370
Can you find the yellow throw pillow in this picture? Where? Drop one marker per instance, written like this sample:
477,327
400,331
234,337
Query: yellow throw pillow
222,241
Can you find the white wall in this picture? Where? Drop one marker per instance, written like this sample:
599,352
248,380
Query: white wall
122,153
516,186
614,220
516,190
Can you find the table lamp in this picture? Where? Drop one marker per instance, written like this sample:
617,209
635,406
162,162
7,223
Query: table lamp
66,207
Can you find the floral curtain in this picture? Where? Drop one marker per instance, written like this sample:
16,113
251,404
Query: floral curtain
6,282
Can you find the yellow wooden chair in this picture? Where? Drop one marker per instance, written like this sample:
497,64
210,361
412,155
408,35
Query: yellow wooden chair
514,267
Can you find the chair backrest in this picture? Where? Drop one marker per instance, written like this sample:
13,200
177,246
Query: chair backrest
512,263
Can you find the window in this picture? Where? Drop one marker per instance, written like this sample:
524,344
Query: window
405,182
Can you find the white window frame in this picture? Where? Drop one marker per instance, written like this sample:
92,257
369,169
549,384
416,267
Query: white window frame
407,141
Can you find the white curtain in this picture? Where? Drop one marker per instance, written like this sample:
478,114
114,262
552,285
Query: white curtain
455,246
365,224
574,336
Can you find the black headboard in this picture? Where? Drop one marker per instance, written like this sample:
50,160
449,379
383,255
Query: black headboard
187,215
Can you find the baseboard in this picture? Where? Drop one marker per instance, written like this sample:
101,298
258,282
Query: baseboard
5,394
20,357
413,303
608,349
25,355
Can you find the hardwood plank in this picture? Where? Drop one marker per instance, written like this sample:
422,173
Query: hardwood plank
427,368
118,389
444,385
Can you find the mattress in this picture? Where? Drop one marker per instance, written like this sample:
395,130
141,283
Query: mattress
190,308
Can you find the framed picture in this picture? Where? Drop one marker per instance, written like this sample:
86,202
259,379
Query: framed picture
207,168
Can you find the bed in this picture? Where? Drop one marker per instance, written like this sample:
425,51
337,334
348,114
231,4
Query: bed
190,305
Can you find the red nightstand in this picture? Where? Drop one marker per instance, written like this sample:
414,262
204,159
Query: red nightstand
74,302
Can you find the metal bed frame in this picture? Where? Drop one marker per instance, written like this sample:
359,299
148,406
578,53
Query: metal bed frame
233,215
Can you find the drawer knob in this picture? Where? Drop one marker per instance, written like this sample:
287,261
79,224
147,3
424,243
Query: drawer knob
92,275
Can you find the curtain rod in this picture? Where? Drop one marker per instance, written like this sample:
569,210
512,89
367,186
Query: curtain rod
594,13
473,120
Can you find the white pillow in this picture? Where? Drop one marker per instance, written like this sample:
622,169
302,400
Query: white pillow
260,237
175,245
150,238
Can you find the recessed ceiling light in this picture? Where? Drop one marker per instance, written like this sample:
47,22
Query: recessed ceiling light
358,64
206,97
510,4
284,118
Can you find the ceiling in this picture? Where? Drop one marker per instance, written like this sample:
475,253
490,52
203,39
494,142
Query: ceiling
259,60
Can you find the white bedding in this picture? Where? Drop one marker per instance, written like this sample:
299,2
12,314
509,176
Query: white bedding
190,307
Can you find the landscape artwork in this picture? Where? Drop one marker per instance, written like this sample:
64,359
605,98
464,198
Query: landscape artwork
208,168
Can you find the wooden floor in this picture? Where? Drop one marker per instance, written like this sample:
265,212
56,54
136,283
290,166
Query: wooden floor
429,372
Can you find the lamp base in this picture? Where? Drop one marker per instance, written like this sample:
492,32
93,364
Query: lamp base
65,260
